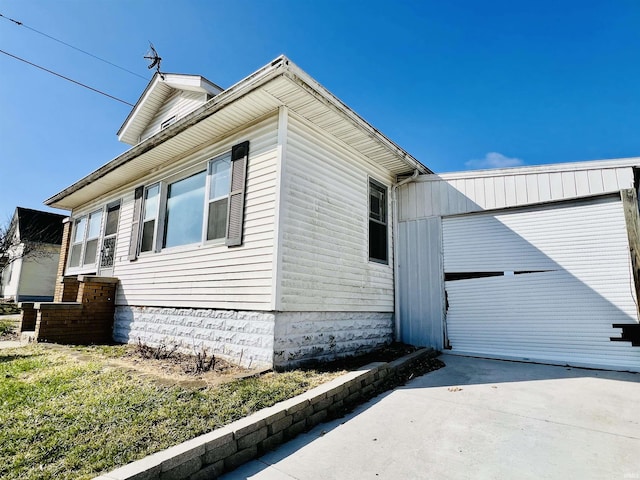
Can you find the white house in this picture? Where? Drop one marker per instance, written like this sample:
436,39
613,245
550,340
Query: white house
28,272
270,223
255,221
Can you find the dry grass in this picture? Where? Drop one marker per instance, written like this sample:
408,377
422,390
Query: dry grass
65,415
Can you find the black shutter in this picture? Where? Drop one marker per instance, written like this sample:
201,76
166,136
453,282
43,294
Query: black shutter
135,226
235,218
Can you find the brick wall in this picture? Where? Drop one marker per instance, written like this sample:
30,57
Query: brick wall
29,314
87,320
62,263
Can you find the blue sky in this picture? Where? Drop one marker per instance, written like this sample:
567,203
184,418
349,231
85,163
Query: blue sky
458,84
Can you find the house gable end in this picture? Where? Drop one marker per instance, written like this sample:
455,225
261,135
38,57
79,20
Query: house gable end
167,98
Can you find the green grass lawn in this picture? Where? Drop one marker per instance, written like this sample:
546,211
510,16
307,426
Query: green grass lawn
62,418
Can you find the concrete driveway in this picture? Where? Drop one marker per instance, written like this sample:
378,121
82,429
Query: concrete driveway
477,419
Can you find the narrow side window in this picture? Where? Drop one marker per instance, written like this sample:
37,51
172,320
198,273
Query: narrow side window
77,241
93,237
150,218
378,235
218,198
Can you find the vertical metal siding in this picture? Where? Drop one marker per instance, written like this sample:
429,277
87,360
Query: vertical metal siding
420,282
575,283
436,196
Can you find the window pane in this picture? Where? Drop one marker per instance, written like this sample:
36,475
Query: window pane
95,220
377,202
185,209
148,229
377,241
112,220
151,198
78,235
219,171
90,252
74,260
217,226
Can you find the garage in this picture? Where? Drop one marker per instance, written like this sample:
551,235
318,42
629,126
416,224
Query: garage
541,283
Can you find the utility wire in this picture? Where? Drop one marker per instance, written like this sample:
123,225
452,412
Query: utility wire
66,78
71,46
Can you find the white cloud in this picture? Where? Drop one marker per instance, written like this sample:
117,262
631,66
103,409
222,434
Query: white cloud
494,160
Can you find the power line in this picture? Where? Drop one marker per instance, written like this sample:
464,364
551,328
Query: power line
19,23
67,78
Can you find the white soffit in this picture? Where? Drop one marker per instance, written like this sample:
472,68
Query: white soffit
261,93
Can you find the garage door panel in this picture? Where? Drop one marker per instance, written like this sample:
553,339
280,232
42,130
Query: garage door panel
562,315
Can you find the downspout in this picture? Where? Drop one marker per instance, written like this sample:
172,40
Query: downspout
396,288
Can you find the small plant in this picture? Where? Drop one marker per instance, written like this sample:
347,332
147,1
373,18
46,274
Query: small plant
6,328
160,352
203,362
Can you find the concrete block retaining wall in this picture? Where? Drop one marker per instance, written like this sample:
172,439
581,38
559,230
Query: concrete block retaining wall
212,454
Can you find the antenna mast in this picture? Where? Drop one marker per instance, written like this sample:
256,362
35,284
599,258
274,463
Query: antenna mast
155,59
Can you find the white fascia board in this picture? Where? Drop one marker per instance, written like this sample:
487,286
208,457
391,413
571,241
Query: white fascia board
547,168
228,96
312,86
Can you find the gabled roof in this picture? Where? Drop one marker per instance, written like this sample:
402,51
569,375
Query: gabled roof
38,226
277,84
158,90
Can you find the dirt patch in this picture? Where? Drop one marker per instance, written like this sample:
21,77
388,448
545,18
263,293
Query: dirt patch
175,368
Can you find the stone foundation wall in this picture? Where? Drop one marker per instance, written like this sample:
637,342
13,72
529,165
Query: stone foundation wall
243,337
304,336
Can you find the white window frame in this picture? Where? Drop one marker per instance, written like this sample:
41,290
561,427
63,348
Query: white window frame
159,231
88,266
386,223
208,201
159,211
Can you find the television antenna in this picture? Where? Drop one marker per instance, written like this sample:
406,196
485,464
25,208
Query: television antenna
155,59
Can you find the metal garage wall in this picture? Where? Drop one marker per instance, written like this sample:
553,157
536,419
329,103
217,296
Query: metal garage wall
571,282
421,283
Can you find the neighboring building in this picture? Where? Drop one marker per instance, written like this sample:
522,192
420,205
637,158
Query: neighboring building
254,221
28,272
262,222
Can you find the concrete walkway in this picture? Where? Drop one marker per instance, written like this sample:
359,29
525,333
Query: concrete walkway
477,419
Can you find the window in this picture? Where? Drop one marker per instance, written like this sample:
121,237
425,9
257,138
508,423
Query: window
204,206
93,234
149,217
218,201
85,240
378,251
185,208
79,231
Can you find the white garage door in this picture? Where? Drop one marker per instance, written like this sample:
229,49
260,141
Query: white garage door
542,284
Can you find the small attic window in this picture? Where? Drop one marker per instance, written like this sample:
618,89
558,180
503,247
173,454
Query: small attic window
167,122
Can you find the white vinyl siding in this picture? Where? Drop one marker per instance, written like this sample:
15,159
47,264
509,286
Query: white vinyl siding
210,275
324,248
179,104
566,282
